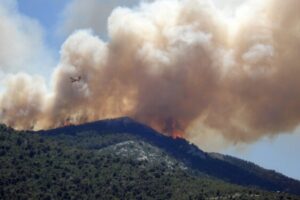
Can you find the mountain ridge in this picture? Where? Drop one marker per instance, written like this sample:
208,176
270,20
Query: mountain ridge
229,170
125,133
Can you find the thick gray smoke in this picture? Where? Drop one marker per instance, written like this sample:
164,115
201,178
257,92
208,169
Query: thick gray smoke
178,65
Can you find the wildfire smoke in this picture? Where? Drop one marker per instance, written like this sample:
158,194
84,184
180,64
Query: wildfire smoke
175,70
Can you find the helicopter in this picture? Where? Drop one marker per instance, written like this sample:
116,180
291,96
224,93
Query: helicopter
75,79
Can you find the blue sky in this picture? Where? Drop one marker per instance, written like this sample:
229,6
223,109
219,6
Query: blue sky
49,13
280,153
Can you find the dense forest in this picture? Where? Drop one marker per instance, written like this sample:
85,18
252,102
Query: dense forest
93,165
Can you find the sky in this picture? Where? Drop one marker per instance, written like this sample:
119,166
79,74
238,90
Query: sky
55,20
48,14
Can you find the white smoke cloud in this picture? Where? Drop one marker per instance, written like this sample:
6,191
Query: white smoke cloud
90,14
24,99
185,70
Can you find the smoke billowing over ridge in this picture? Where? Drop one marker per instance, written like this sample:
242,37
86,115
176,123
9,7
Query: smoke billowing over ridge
175,65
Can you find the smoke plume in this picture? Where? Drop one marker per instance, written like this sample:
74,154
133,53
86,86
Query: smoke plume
177,65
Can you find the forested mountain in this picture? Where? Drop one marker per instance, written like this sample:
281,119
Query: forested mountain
124,159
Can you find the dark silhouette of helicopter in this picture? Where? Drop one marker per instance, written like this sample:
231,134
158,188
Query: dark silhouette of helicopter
75,79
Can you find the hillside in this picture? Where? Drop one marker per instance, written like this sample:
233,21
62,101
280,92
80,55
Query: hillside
123,159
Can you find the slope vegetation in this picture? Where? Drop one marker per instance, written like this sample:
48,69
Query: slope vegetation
90,162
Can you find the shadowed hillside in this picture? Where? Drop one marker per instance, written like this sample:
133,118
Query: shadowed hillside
222,167
123,159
